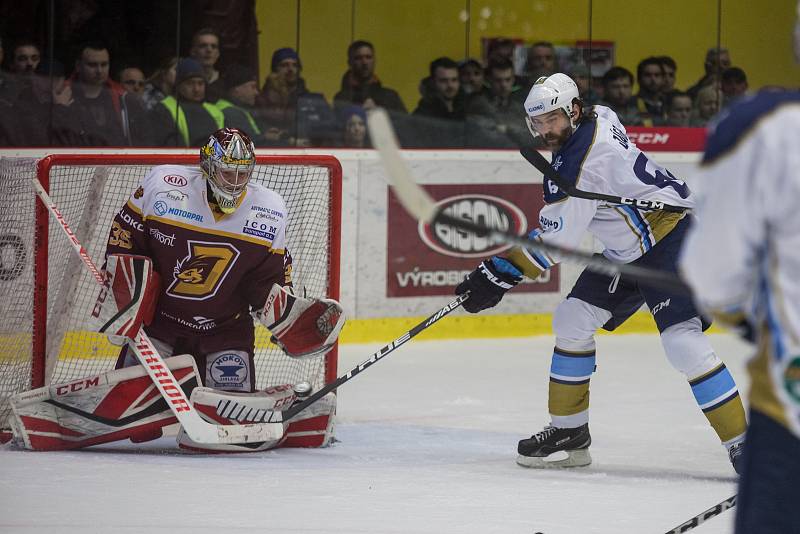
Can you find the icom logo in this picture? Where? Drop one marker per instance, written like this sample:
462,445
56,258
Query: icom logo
176,180
494,212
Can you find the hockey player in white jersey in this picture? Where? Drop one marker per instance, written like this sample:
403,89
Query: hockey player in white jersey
742,259
592,151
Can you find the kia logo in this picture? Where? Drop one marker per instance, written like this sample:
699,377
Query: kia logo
174,179
486,210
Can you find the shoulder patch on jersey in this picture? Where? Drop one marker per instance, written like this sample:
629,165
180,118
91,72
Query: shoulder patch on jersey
734,124
569,160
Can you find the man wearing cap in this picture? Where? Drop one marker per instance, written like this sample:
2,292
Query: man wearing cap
294,116
187,120
241,88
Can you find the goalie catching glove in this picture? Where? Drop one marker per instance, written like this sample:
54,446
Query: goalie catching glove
128,298
300,326
488,283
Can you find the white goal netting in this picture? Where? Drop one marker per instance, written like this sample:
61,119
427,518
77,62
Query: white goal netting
46,335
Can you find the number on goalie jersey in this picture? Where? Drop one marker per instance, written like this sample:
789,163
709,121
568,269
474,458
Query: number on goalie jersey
218,244
592,151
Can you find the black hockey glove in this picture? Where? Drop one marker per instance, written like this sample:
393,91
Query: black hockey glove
488,283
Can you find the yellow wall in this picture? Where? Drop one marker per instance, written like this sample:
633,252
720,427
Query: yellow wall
408,34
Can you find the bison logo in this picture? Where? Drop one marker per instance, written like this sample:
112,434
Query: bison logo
199,275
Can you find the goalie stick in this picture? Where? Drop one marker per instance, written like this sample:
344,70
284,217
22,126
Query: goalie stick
422,207
232,405
543,166
702,517
199,430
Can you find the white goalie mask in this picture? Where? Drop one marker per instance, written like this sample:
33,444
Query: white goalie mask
228,159
550,93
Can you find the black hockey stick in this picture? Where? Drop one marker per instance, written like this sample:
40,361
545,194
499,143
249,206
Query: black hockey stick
702,517
280,416
422,207
543,166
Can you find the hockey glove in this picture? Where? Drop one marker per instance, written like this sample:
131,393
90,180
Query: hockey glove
488,283
300,326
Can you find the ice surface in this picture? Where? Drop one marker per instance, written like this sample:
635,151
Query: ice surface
427,445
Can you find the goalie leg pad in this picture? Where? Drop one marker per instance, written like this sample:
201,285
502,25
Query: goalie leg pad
301,327
313,427
117,405
134,286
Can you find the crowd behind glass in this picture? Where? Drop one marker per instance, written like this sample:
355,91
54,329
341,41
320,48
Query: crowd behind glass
96,101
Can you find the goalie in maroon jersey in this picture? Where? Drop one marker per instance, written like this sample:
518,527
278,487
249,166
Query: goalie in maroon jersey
216,246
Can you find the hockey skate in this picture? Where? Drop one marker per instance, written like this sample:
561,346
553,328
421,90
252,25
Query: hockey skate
556,447
735,456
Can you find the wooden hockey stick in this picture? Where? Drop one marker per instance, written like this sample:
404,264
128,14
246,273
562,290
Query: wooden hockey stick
422,207
702,517
198,429
231,404
542,165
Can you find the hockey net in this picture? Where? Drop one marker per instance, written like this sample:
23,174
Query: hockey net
47,334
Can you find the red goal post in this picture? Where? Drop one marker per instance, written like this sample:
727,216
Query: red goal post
49,336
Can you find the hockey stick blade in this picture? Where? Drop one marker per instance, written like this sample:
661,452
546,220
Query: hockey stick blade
421,206
702,517
278,416
198,430
543,166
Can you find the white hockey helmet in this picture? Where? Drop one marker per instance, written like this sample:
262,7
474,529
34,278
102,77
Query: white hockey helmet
549,93
228,159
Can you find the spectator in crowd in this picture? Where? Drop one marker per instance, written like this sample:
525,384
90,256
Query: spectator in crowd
471,76
355,127
618,95
733,83
361,86
187,120
706,105
132,79
205,49
717,60
650,76
507,101
541,60
441,116
108,116
447,100
500,48
669,68
43,114
240,100
678,108
289,112
8,87
503,48
580,74
161,84
25,58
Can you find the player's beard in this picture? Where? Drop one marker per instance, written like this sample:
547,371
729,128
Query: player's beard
555,141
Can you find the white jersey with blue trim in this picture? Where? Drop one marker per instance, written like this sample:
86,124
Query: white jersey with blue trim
600,158
742,257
